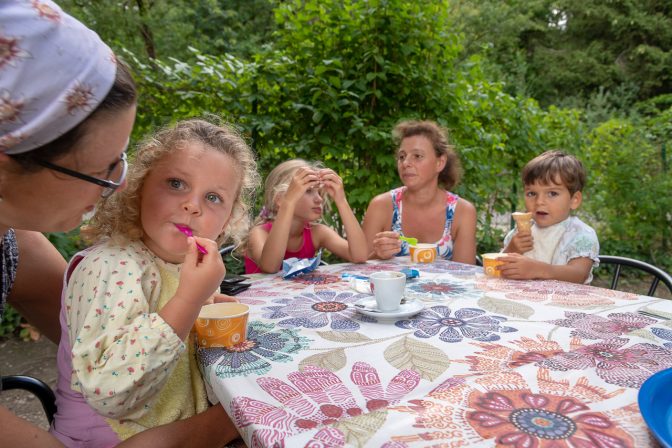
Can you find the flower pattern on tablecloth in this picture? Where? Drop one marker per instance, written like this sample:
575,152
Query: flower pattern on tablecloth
521,418
556,293
663,333
497,358
592,326
444,266
370,268
317,310
470,323
625,367
504,409
576,347
316,278
439,290
314,398
259,294
264,345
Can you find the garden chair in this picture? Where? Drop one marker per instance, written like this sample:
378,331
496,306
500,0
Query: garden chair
658,274
37,387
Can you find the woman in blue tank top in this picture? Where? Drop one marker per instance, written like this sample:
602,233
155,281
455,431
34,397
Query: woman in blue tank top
423,207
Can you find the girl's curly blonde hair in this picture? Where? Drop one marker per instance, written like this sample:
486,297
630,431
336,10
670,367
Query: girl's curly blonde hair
118,217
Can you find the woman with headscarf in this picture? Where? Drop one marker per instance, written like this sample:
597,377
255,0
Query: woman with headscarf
67,107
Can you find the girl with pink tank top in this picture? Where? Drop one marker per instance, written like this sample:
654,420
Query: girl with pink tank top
294,199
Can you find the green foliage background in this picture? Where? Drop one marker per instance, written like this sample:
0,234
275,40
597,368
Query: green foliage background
328,79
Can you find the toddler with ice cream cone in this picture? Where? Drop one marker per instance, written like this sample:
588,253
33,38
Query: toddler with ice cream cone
547,242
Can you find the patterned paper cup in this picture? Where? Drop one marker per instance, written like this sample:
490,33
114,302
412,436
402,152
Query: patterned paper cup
423,253
222,324
490,263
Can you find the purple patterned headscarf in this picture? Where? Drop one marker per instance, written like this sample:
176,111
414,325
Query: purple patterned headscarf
54,72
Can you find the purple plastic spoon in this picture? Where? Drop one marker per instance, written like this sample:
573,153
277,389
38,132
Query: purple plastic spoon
187,231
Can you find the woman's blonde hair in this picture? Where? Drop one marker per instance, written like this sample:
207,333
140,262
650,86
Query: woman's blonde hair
118,216
277,182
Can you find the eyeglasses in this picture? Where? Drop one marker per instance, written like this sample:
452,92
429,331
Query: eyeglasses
116,174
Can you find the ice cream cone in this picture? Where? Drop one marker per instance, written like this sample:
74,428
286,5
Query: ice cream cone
523,221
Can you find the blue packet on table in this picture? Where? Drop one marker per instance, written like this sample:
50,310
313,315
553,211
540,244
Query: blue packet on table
292,267
410,273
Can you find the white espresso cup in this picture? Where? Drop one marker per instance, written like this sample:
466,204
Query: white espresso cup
388,287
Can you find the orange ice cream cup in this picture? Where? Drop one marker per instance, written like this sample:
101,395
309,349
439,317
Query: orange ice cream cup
222,324
423,253
490,263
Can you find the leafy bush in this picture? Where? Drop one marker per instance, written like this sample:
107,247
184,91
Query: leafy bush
11,320
340,75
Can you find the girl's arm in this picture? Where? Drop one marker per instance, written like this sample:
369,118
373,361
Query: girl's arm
209,429
519,267
268,251
381,242
464,233
19,432
355,248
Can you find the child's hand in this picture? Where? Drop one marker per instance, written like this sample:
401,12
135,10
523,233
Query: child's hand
219,298
520,243
303,179
386,244
520,267
333,184
201,274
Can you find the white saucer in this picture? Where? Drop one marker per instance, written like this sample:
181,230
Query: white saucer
368,307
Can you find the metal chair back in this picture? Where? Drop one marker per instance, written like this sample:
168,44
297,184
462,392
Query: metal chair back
37,387
658,274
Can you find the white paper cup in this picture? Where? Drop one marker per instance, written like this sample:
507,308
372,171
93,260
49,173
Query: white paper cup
388,288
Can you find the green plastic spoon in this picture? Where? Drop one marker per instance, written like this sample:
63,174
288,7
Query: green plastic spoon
411,241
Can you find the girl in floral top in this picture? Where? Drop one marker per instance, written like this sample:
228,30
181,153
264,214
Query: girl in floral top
130,301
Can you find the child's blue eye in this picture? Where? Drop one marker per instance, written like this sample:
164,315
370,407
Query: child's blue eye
175,183
212,197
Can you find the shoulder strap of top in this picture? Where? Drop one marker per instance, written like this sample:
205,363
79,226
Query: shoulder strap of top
308,246
451,203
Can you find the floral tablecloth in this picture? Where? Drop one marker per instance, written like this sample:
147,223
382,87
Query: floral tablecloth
487,362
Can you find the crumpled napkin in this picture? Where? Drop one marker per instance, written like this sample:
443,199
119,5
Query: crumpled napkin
292,267
360,285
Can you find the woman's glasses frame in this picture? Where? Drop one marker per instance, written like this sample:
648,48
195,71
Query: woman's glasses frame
109,186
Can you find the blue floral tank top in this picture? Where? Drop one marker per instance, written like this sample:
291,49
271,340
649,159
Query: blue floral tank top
445,244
